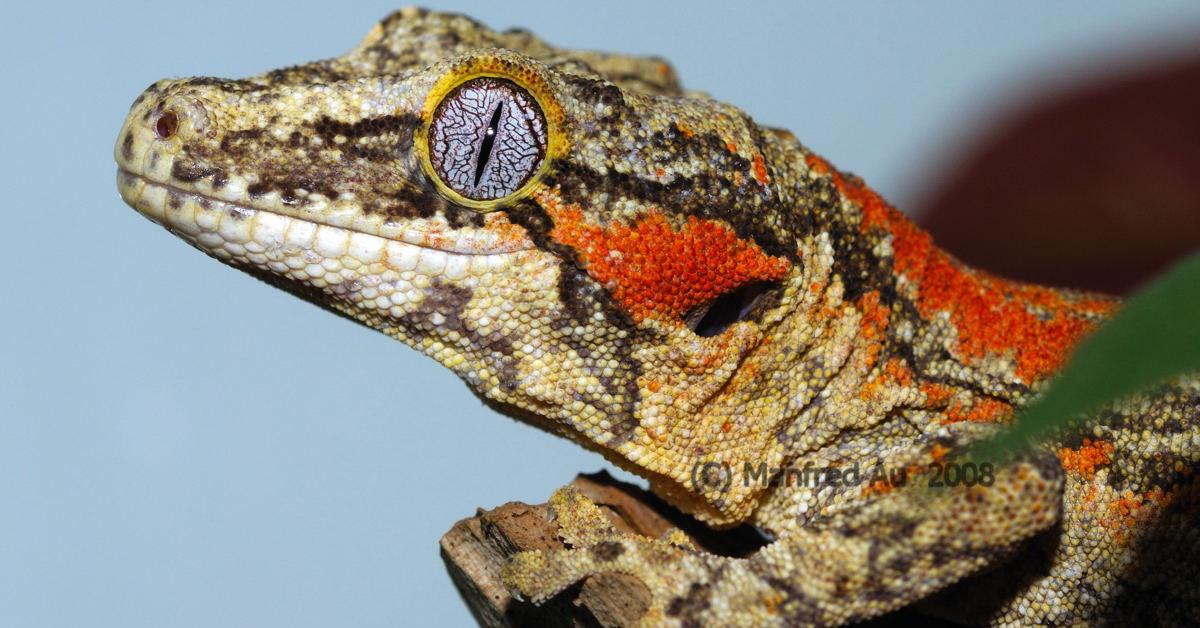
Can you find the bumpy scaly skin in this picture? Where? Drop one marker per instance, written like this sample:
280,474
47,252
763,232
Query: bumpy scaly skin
572,305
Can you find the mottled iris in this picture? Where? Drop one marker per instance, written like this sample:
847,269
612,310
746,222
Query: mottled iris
487,138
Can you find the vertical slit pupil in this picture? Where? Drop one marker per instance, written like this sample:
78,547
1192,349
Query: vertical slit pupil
489,138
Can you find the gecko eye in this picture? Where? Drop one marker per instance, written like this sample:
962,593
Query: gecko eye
487,138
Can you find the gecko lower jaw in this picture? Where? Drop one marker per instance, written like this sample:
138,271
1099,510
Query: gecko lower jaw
191,212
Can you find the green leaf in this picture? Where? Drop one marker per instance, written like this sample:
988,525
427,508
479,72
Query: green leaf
1154,337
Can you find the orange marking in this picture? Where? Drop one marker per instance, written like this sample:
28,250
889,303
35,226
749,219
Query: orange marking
874,322
895,373
1126,515
892,482
874,316
899,372
653,435
1087,458
878,487
656,271
1089,497
937,395
760,170
510,236
984,410
817,163
993,315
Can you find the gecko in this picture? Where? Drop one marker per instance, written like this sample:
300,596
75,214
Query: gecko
647,272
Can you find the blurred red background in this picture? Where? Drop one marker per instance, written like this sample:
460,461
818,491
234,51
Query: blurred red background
1097,186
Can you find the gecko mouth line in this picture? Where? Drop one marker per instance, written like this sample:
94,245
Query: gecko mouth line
128,183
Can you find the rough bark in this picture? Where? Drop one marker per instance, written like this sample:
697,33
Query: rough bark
476,549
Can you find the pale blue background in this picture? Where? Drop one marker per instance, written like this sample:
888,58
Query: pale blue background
181,446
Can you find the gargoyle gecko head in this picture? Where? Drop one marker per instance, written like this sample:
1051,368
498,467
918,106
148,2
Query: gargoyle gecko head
583,242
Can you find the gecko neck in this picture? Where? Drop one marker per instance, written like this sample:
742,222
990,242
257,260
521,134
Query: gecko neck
933,334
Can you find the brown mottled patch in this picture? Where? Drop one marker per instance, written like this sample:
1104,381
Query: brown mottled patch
127,145
606,551
190,171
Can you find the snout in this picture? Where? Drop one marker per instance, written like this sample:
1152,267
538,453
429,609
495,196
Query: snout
162,120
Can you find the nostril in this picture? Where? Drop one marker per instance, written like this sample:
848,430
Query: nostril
165,125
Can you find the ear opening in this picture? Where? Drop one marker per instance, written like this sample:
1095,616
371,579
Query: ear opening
746,302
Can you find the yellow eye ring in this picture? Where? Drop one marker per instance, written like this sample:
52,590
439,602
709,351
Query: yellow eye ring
502,68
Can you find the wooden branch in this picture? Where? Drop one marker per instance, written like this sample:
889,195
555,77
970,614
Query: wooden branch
476,549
